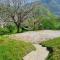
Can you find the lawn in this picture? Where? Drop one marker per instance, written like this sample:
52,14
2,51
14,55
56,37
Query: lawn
54,47
14,50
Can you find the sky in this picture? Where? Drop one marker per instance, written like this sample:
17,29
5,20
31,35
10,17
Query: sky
26,0
29,0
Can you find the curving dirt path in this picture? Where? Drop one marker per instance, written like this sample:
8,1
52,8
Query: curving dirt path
41,53
36,37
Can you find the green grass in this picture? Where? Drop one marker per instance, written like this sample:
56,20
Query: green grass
54,47
14,50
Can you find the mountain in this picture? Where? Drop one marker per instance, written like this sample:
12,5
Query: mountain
53,5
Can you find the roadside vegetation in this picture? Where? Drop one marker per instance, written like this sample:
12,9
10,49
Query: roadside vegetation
29,17
14,50
54,48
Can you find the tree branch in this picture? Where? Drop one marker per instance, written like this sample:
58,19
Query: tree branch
26,13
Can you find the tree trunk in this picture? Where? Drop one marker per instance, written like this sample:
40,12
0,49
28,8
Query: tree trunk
18,27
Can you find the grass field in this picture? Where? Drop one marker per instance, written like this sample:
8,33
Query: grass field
14,50
54,47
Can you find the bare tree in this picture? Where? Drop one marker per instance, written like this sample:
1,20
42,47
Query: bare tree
15,10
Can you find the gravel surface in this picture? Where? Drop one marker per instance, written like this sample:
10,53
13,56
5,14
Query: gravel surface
41,53
36,36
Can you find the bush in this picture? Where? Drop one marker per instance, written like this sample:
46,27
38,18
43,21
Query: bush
47,24
8,29
3,31
11,28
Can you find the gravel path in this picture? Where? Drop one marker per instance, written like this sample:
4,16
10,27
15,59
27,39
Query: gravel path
41,53
36,36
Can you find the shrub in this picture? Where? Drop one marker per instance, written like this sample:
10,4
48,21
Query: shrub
3,31
11,28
